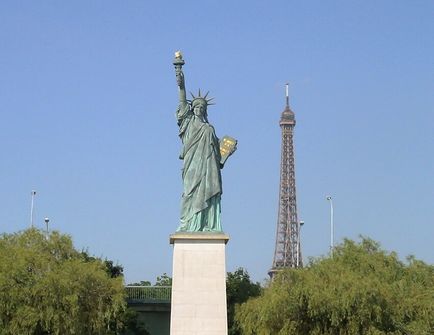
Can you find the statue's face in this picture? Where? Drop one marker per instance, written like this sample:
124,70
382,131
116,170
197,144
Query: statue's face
199,107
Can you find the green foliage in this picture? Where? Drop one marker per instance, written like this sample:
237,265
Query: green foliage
112,270
132,324
141,283
239,288
360,290
47,287
164,280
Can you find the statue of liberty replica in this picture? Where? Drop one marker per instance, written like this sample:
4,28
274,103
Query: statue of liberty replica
204,156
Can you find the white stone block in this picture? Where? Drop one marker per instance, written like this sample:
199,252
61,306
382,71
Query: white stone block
198,284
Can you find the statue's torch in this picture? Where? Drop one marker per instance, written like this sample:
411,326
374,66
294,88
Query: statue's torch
179,62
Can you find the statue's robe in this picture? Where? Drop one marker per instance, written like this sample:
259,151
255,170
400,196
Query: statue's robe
200,205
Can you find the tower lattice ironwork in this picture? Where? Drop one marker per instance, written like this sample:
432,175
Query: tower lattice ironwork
287,252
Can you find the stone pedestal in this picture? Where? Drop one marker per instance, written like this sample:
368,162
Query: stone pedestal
199,284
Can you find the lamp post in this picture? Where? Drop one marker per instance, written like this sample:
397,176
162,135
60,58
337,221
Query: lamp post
33,193
329,198
299,223
47,220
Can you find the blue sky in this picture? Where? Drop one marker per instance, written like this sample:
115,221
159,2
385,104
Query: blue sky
87,102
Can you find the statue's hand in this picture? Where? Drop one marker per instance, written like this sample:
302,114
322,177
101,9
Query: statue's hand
180,79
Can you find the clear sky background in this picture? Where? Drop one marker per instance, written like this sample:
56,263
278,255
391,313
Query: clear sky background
87,102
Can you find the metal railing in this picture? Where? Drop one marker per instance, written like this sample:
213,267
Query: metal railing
149,294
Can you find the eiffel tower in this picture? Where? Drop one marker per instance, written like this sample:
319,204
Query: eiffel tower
287,252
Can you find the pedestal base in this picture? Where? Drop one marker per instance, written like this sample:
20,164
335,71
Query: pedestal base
198,284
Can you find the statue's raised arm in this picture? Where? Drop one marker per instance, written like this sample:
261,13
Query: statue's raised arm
179,62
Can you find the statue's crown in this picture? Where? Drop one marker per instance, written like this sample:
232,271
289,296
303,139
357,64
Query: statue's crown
201,98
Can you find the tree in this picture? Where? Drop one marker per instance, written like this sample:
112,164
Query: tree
239,288
48,287
163,280
362,289
132,323
141,283
112,270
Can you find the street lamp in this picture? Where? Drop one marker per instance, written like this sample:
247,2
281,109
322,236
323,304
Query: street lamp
299,223
33,193
329,198
46,223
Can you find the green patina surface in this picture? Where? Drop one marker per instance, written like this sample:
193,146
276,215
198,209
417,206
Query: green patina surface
201,153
